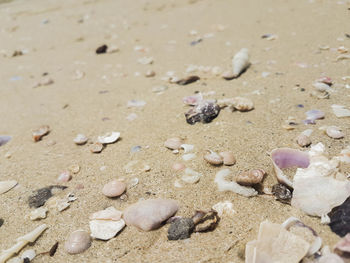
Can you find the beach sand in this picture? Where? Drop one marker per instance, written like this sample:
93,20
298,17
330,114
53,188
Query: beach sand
60,38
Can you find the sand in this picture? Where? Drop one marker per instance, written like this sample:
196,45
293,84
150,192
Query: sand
60,37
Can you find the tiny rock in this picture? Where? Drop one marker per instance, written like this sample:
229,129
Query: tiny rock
114,188
228,158
180,229
74,168
282,193
187,80
101,49
64,177
96,147
150,73
173,143
77,242
80,139
213,158
204,112
178,166
39,133
303,140
250,177
149,214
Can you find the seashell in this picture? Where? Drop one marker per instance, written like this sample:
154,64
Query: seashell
96,147
342,57
272,239
136,103
6,186
74,168
213,158
193,100
224,208
178,166
38,213
150,73
284,158
307,132
240,62
188,156
326,80
228,75
29,254
187,80
80,139
4,139
344,155
105,229
303,140
159,89
133,182
282,193
114,188
313,115
251,177
187,147
39,133
77,242
205,221
173,143
334,132
149,214
204,112
64,177
145,60
243,104
228,158
340,111
320,86
343,245
191,176
225,185
112,49
109,137
110,213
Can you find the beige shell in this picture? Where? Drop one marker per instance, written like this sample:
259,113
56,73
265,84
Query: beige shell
213,158
251,177
228,158
114,188
77,242
39,133
96,147
303,140
240,62
334,132
150,73
173,143
243,104
80,139
7,186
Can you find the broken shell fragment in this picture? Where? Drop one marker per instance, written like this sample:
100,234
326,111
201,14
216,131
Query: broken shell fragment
77,242
187,147
39,133
190,176
282,193
96,147
340,111
38,213
303,140
213,158
64,177
6,186
343,246
150,73
228,158
251,177
187,80
243,104
178,166
204,112
240,62
207,221
313,115
80,139
285,158
173,143
225,185
114,188
334,132
224,208
109,137
193,100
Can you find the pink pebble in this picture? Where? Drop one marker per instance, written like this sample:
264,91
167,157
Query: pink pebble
64,177
114,188
178,166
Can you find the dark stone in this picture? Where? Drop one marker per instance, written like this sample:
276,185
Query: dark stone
282,193
340,218
204,112
181,228
53,249
26,260
102,49
188,80
40,196
1,222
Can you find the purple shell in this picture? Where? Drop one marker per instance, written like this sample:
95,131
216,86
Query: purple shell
4,139
313,115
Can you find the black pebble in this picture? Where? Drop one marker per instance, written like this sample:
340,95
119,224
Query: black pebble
180,229
40,196
340,219
1,222
102,49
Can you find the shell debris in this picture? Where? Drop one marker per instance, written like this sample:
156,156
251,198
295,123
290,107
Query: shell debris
6,186
80,139
213,158
40,132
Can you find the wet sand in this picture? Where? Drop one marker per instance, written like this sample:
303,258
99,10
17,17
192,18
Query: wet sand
60,37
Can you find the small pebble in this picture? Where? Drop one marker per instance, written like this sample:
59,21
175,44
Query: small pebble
74,168
101,49
1,222
213,158
178,166
303,140
39,133
77,242
251,177
53,249
187,80
114,188
64,177
150,74
96,147
38,213
334,132
173,143
181,228
228,158
282,193
80,139
159,89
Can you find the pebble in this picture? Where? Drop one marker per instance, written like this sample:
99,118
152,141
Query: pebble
77,242
96,147
181,228
334,132
282,193
40,196
213,158
109,137
112,49
114,188
173,143
228,158
80,139
150,73
303,140
250,177
74,168
225,207
149,214
39,213
1,222
340,219
187,80
145,60
39,133
136,103
6,186
101,49
64,177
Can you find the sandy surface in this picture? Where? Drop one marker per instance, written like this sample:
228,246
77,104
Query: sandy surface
60,37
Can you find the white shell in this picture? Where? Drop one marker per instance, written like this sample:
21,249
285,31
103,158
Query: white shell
240,62
340,111
225,185
80,139
105,229
191,176
29,253
213,158
173,143
320,86
145,60
38,213
187,147
188,156
224,208
110,213
109,137
7,186
334,132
